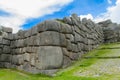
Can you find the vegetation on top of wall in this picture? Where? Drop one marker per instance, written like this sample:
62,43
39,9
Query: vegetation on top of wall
60,20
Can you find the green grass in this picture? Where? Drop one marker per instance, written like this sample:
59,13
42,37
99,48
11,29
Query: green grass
84,69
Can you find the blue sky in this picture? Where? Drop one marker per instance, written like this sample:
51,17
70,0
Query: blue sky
80,7
23,17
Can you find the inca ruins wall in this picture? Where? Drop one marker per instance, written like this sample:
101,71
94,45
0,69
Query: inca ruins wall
53,44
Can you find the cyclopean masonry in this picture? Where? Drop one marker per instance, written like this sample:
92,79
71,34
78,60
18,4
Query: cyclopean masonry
53,44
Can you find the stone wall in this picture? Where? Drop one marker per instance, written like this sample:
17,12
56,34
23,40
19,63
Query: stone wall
111,31
5,50
51,45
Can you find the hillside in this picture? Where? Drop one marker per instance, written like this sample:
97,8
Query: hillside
100,64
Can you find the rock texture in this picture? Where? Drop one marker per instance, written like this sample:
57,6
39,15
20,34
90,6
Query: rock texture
53,44
111,31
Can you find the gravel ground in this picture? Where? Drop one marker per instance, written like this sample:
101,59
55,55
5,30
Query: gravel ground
101,67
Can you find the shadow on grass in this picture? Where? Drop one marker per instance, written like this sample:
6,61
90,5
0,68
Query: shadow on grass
108,48
112,57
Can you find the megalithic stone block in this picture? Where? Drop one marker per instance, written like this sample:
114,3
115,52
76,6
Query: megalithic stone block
49,57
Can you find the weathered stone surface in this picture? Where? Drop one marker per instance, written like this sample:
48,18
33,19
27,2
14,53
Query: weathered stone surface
1,40
31,41
21,34
66,61
6,49
20,43
65,28
49,57
5,57
1,50
78,38
36,40
63,41
17,59
15,36
84,21
28,33
79,47
74,48
75,19
65,52
68,20
7,65
6,29
5,42
74,56
27,67
75,16
49,38
34,30
29,49
26,57
32,59
20,59
69,45
51,25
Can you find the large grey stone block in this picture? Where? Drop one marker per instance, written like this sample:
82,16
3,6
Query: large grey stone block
6,49
28,33
51,25
21,34
66,61
63,40
34,30
65,28
50,38
17,59
49,57
6,29
5,57
26,57
36,41
6,42
20,43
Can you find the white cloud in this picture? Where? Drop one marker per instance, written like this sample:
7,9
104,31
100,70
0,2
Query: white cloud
88,16
12,21
113,13
22,10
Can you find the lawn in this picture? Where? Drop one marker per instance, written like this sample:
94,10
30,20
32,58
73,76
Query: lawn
100,64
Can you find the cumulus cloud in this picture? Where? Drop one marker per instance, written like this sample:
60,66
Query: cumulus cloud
22,10
88,16
113,13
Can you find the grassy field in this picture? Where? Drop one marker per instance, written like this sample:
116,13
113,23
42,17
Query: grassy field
100,64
